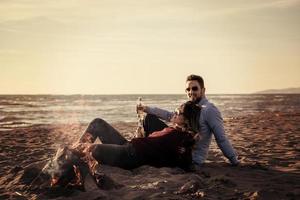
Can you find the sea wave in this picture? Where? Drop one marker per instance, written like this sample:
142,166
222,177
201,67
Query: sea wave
51,109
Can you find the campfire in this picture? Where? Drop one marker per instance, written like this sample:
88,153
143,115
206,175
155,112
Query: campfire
75,179
69,168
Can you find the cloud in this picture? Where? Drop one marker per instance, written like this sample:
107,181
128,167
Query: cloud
285,3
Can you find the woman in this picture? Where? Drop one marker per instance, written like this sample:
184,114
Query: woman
169,147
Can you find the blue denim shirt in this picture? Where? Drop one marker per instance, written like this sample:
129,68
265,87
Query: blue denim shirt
211,123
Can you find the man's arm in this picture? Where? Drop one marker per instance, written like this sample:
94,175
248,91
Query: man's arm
160,113
215,122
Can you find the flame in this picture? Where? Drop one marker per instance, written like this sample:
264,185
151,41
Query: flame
54,181
80,149
92,162
87,138
78,180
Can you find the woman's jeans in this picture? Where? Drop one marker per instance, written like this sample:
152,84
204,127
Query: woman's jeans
115,150
123,156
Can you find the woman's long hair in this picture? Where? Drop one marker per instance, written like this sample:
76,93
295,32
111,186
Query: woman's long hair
191,112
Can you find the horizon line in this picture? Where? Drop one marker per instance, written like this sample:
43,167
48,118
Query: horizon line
133,94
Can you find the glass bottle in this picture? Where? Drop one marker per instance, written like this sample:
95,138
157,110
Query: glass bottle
140,118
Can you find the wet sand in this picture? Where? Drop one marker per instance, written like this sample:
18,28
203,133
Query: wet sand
267,143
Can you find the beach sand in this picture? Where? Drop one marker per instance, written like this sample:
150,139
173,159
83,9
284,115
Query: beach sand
267,144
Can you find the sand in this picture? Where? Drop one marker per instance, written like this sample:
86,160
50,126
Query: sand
267,143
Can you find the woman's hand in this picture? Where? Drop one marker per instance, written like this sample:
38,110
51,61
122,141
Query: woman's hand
197,137
181,150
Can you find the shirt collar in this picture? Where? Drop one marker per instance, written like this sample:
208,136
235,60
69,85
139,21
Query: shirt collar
202,101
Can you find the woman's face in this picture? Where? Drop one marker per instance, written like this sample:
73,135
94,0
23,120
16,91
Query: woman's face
178,117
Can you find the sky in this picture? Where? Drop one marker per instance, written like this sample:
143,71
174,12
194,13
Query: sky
148,46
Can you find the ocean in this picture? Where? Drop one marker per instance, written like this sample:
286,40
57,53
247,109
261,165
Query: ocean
27,110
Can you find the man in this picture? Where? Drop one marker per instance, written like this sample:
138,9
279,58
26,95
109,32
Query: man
210,122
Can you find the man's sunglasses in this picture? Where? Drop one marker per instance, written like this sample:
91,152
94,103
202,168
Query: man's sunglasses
195,88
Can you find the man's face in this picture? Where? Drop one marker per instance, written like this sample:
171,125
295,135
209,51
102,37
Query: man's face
193,90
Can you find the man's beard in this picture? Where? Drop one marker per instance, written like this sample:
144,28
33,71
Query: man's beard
197,100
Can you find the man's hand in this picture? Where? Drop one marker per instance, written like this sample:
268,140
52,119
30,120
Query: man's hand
139,132
235,161
235,164
140,108
194,167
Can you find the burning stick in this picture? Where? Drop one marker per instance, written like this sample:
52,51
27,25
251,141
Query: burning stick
18,193
78,181
86,138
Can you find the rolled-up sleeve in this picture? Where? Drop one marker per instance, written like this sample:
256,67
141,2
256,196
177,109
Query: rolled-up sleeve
215,123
